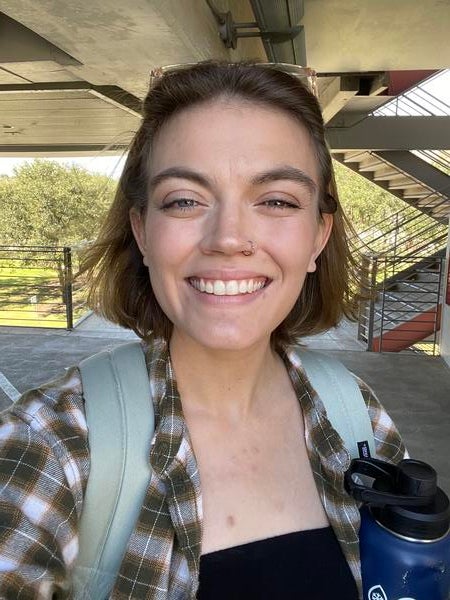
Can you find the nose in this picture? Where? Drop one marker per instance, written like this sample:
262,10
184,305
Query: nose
227,230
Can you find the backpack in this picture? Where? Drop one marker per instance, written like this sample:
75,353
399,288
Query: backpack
118,405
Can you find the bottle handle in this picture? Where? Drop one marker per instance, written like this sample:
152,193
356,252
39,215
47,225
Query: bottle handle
383,472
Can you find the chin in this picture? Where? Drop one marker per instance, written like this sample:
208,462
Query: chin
228,341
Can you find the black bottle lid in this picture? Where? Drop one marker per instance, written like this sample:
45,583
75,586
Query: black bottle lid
404,498
428,522
416,478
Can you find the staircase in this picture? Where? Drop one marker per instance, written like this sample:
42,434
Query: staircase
406,307
404,255
392,170
404,265
420,178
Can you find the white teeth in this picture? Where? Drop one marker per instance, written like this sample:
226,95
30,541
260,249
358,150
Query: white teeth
227,288
232,288
243,287
219,288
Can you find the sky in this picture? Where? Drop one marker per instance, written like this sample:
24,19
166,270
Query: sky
107,165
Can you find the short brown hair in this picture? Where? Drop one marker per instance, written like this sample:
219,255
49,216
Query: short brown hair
120,286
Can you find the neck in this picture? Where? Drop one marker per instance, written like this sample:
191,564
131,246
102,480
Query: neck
230,385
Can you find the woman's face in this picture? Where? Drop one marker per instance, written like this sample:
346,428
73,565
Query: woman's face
223,174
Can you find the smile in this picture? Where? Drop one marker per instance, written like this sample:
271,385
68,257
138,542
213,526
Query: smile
232,287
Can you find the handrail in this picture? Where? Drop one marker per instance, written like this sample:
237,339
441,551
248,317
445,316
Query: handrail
37,288
440,159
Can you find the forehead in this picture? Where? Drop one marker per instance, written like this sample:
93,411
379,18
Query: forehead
233,135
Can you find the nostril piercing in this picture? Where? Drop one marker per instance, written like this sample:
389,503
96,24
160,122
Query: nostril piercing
251,250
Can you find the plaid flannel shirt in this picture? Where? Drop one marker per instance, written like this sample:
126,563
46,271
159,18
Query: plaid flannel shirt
44,467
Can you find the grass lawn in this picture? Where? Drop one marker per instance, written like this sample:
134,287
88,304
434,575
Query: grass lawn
31,297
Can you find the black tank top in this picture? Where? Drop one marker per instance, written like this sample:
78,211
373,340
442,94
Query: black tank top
304,565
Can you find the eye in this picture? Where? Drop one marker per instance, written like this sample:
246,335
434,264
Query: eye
180,204
280,203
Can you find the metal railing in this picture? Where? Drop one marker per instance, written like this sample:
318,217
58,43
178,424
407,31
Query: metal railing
403,312
430,97
37,287
440,159
406,234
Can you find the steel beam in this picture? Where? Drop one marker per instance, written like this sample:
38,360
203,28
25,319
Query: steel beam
50,150
338,92
419,169
392,133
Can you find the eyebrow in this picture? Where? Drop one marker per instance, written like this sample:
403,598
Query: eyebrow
286,173
180,173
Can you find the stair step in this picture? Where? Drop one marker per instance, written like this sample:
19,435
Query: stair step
441,212
414,286
410,300
388,173
428,276
370,165
402,182
416,191
354,156
408,311
434,198
433,206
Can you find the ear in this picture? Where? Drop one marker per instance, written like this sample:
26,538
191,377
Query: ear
137,221
322,237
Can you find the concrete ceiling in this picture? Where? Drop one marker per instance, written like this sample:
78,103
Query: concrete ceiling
72,73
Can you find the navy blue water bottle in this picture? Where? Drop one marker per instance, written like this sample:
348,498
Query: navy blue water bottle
404,535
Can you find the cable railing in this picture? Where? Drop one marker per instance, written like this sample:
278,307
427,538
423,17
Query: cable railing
37,288
440,159
406,233
430,97
403,310
402,313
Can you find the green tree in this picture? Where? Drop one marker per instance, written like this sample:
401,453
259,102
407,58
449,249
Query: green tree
365,203
45,203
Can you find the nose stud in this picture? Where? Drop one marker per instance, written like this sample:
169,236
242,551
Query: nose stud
251,250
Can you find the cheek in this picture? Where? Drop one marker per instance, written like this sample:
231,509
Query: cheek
294,249
169,248
162,242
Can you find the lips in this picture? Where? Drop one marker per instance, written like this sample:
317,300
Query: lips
229,287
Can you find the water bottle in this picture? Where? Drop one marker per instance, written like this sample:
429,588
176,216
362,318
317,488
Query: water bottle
404,535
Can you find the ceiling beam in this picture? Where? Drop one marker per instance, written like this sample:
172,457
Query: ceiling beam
335,93
44,150
108,93
392,133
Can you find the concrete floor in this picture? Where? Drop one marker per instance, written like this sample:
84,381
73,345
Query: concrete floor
415,389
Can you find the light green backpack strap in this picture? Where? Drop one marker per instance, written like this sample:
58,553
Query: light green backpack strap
120,417
342,399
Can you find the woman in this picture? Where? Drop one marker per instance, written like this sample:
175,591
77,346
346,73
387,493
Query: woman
225,244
